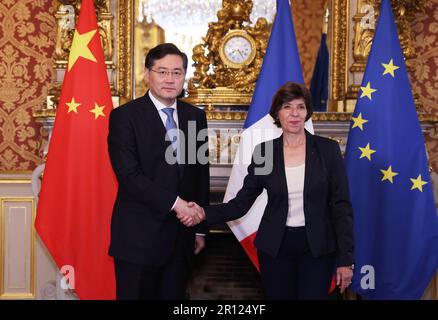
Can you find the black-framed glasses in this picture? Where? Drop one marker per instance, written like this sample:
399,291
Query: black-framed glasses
177,74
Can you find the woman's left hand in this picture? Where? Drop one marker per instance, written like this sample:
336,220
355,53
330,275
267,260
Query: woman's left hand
343,277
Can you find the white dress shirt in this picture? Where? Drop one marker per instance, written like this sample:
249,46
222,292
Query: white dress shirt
295,189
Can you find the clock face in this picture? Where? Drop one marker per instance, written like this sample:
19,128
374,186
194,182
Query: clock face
238,49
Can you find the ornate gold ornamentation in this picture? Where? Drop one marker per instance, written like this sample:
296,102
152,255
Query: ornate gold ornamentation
362,38
66,15
346,116
124,50
68,10
146,36
233,52
229,116
105,24
404,13
220,97
353,91
202,80
339,53
44,113
214,114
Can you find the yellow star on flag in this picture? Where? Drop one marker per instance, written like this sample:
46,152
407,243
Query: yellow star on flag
358,121
389,68
418,183
72,106
367,91
79,48
388,174
366,152
98,111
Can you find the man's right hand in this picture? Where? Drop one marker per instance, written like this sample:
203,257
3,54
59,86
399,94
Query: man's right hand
189,213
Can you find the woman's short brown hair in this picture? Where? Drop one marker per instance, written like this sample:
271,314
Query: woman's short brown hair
288,92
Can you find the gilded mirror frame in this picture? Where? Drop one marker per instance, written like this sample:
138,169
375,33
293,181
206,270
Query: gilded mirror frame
124,49
338,28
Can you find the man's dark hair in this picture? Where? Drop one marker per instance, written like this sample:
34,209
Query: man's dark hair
288,92
161,51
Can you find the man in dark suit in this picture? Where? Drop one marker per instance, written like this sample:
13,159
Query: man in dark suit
151,146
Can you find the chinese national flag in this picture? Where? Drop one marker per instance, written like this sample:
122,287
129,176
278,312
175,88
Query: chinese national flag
79,186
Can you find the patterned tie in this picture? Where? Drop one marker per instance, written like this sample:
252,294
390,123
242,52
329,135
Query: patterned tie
171,124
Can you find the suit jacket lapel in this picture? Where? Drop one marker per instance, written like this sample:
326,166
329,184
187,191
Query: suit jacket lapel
151,117
310,162
183,120
279,169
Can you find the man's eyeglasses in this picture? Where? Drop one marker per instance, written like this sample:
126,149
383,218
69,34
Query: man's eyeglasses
177,74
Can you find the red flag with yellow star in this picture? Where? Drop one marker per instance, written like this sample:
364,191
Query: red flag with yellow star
79,186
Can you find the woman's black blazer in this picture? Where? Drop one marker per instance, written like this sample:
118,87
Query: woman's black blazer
327,207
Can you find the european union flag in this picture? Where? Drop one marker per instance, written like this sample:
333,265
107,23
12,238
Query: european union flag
320,78
395,218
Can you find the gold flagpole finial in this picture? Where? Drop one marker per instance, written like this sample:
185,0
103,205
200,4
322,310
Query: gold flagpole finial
326,20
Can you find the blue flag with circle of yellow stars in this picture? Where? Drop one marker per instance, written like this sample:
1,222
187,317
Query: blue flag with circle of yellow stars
395,217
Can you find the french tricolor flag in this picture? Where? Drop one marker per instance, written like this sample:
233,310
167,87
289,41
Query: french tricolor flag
280,65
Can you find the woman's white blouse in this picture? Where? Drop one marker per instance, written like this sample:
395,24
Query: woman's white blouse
295,187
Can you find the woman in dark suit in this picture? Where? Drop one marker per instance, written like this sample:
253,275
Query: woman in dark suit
307,227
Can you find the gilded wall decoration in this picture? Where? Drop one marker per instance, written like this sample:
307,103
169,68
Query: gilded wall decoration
28,31
223,40
308,21
425,79
67,13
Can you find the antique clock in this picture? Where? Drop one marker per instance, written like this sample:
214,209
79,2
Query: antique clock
237,49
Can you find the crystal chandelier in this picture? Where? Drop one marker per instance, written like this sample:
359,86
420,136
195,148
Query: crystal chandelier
194,14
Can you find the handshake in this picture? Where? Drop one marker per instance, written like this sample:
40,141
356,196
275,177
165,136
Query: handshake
189,213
